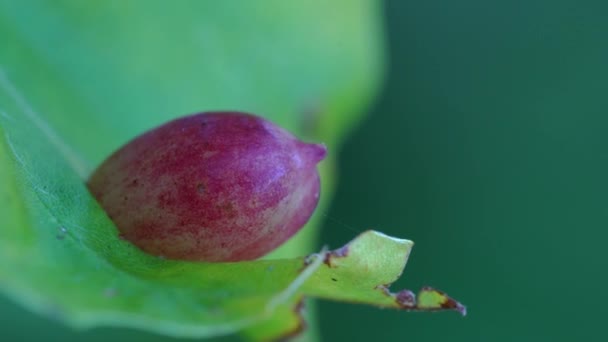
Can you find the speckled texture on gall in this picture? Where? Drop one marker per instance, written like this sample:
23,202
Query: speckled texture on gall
223,186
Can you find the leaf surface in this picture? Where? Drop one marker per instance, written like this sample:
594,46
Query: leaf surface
81,78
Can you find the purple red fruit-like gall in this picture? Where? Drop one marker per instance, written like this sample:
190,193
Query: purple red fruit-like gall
220,186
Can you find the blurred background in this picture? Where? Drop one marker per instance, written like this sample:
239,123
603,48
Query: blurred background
487,147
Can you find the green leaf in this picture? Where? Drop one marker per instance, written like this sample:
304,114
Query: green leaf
80,79
63,257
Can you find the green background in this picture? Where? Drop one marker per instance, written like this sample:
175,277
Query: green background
487,147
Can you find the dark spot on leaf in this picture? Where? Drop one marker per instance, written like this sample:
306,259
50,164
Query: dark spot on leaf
62,233
448,303
134,182
309,259
334,279
406,298
338,253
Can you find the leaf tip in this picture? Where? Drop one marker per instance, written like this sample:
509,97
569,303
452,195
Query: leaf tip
408,243
433,299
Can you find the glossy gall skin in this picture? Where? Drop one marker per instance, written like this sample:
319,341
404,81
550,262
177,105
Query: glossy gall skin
219,186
